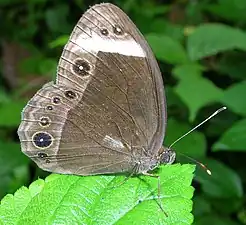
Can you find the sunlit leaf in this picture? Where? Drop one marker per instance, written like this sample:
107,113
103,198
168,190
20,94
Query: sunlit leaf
67,199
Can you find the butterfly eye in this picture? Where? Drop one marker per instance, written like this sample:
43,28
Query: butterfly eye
167,157
117,30
104,31
42,140
44,121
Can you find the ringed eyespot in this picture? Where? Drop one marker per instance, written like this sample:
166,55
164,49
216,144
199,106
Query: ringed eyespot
42,140
104,31
49,107
70,94
81,67
56,100
44,121
118,30
42,155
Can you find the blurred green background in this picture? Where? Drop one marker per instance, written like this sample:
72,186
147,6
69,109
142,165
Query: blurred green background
201,50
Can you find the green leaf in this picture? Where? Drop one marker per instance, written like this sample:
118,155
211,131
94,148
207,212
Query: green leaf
161,26
4,98
214,219
228,9
223,183
67,199
11,113
192,145
13,170
234,139
242,216
210,39
39,65
57,16
233,98
167,49
195,91
201,206
60,41
232,64
226,205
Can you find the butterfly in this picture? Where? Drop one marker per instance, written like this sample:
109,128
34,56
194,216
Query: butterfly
106,111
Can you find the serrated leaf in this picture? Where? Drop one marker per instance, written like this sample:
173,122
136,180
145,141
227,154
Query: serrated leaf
11,113
210,39
233,98
167,49
223,183
193,145
67,199
195,91
234,139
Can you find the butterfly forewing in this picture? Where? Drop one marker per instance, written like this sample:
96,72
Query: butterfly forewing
111,112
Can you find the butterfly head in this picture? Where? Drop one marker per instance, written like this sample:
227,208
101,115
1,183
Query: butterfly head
166,156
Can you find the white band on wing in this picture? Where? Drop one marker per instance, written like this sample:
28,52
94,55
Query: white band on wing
123,47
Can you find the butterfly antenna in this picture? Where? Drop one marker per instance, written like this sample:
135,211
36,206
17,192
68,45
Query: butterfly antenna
200,124
198,163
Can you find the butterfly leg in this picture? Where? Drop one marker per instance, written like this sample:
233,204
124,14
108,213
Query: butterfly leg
135,168
159,189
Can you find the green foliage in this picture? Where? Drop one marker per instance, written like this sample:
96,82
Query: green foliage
217,186
194,95
167,49
232,100
194,144
210,39
67,199
233,139
201,50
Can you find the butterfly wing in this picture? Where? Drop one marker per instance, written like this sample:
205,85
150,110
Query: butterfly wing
111,112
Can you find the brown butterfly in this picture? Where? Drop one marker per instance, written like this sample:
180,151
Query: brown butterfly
106,111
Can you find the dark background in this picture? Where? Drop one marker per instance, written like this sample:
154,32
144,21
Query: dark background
200,47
